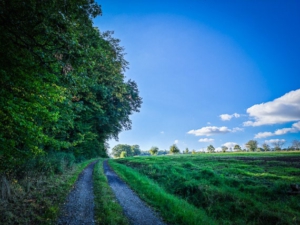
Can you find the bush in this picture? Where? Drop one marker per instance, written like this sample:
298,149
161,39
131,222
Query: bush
123,154
48,164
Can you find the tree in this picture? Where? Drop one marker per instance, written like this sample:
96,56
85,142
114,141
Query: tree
266,147
186,151
153,150
118,149
135,149
237,148
62,85
276,148
278,143
251,145
296,145
193,151
174,149
258,149
211,149
224,148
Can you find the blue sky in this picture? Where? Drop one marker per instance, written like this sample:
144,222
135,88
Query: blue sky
210,72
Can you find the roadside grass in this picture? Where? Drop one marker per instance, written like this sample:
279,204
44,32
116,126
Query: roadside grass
107,209
232,188
37,199
173,209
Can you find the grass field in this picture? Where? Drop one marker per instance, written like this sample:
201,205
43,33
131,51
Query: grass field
231,188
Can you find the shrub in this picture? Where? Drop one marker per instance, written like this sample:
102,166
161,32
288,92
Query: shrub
123,154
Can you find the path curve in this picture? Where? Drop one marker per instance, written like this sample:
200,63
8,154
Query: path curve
79,207
134,208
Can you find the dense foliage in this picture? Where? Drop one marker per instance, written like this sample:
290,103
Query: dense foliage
154,150
251,145
174,149
123,150
62,84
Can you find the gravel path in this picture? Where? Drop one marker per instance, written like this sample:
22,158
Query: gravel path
134,208
79,207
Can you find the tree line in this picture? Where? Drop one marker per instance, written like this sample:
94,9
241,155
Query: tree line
123,150
252,146
62,86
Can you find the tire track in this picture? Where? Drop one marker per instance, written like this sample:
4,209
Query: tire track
134,208
79,207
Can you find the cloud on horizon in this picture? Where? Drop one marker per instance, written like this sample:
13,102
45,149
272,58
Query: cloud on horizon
225,117
230,144
294,129
281,110
212,130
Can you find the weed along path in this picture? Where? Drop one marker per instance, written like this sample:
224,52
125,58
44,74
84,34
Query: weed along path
79,207
134,208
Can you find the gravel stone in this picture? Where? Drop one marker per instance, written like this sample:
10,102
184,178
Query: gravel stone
79,207
134,208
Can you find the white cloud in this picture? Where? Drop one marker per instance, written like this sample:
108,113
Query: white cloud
206,140
236,129
248,123
230,144
284,131
176,142
294,129
218,149
263,134
162,132
228,116
297,125
212,130
281,110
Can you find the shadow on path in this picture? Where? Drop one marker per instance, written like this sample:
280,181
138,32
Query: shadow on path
134,208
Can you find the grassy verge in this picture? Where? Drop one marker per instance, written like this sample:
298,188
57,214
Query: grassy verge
235,188
37,201
173,209
107,209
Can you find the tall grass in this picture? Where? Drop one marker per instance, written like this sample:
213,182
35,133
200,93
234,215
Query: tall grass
38,188
231,189
173,209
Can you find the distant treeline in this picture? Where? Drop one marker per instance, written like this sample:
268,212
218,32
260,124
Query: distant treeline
124,150
62,83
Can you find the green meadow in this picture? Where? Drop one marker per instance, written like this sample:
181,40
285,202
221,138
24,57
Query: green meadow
223,188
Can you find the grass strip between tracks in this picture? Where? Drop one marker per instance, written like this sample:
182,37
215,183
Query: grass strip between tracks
107,209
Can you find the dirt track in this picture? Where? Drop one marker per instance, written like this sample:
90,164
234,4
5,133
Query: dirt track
134,208
79,207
